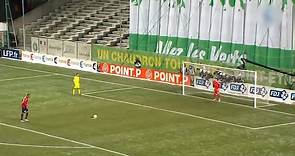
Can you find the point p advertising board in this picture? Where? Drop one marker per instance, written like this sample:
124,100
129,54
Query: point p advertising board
142,73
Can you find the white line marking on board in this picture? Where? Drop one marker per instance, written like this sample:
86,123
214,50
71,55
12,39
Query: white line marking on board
110,90
277,125
44,146
169,111
26,77
61,138
161,91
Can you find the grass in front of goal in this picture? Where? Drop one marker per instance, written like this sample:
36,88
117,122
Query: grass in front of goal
136,118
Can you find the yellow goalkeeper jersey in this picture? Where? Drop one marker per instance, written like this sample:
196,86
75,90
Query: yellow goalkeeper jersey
76,81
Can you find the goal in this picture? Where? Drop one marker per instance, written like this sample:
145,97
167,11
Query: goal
236,85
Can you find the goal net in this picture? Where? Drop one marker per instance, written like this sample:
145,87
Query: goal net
237,86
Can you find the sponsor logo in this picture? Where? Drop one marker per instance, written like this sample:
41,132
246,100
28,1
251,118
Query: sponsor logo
202,82
148,74
44,58
105,68
49,59
62,61
259,91
55,60
278,94
26,56
10,53
35,57
238,87
94,66
32,57
293,96
224,86
69,62
81,64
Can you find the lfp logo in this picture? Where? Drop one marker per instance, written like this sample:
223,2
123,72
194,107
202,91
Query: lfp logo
10,53
278,94
293,96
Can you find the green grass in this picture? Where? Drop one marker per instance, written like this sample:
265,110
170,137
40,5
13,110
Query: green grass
151,120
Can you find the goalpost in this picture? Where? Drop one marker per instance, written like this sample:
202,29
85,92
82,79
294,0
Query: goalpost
236,83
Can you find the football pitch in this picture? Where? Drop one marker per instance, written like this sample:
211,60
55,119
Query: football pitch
135,118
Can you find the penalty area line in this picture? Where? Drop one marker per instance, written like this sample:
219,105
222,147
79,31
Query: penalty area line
27,77
62,138
270,105
169,111
277,125
44,146
110,90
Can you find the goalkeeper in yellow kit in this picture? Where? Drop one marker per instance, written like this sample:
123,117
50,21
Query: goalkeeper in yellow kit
76,81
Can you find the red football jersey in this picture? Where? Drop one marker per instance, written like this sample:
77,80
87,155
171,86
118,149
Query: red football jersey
25,102
216,84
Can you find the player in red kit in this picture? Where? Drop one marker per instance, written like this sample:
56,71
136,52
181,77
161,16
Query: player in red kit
216,86
25,108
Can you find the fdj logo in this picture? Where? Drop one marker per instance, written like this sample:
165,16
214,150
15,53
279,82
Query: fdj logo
259,91
202,82
278,94
238,88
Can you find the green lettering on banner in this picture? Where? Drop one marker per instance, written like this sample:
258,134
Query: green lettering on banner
229,53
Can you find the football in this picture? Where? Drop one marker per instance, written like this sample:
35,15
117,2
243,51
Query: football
94,116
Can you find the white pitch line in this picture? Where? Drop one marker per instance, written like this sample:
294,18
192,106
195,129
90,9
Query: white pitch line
110,90
235,97
169,111
44,146
62,138
267,105
277,125
155,90
26,77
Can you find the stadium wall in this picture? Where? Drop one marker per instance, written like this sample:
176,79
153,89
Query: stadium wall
76,50
216,30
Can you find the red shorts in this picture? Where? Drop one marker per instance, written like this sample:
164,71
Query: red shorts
216,92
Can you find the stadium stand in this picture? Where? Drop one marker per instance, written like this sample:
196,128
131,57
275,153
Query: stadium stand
104,22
